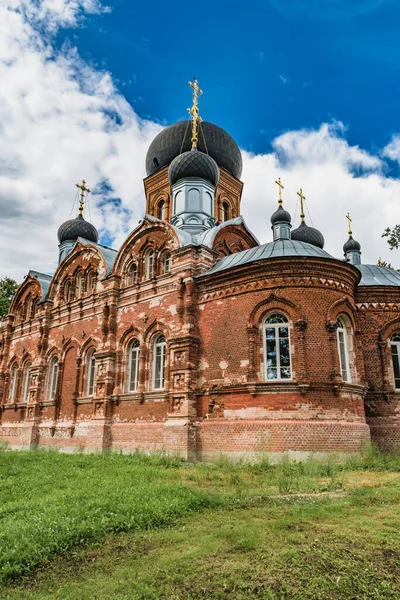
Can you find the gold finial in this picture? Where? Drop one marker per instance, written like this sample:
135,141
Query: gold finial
194,112
83,188
380,262
349,224
302,198
280,188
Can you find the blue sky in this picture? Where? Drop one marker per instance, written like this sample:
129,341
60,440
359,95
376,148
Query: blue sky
308,88
264,70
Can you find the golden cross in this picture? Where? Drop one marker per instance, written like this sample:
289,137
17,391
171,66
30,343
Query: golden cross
302,198
83,188
280,188
194,112
349,223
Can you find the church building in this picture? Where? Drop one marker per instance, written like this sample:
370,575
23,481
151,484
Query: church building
194,339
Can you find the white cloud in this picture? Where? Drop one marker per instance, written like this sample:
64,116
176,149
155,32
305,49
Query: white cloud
62,120
336,178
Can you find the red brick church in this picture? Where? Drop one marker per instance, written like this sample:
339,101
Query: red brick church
193,338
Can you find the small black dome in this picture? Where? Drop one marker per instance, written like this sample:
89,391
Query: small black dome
193,164
75,228
281,216
176,139
307,234
350,245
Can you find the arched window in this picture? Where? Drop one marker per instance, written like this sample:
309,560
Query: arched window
149,263
161,210
13,384
133,366
225,212
159,363
343,348
34,308
395,348
79,285
29,308
67,291
277,347
133,274
90,282
27,376
166,263
53,375
90,365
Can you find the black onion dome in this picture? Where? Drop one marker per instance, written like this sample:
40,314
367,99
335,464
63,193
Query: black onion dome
193,164
350,245
307,234
75,228
176,139
281,216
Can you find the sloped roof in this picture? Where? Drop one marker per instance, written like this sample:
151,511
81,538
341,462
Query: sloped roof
276,249
44,281
108,253
375,275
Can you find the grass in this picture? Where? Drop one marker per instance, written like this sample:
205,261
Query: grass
137,527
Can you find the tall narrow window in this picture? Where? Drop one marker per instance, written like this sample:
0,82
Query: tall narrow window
343,348
277,347
225,211
149,264
90,282
159,363
91,365
29,309
395,347
53,377
13,384
27,376
79,285
161,210
67,291
134,354
166,263
133,274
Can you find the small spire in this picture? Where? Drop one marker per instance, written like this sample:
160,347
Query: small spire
380,262
280,188
349,221
194,112
302,198
83,188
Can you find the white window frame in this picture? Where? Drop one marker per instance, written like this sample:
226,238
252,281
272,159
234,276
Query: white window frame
149,263
27,376
166,263
342,329
53,377
91,367
133,366
161,210
13,386
276,327
160,344
395,343
133,273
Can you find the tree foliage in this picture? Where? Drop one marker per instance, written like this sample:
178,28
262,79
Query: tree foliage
393,236
8,288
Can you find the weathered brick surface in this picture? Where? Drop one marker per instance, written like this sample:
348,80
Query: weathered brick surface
216,398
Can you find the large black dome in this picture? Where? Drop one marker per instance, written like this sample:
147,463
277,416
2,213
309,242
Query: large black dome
193,164
176,139
351,245
307,234
75,228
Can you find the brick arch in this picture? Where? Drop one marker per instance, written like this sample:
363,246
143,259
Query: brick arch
90,343
154,328
128,335
272,303
342,306
69,343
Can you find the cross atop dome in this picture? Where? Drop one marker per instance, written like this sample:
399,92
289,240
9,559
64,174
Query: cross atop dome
194,112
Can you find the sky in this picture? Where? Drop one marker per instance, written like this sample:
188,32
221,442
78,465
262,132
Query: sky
308,88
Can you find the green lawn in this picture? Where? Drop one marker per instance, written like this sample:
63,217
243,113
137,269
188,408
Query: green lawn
134,527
